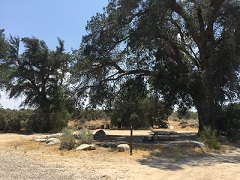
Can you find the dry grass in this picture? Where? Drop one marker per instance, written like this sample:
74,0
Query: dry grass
44,151
176,126
96,123
179,150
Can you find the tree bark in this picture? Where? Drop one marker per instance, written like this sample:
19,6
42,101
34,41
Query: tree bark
47,123
208,107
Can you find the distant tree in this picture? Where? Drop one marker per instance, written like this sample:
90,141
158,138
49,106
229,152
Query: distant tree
188,50
2,122
3,53
133,105
127,109
156,111
38,74
3,44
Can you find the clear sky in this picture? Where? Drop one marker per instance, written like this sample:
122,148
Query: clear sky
47,20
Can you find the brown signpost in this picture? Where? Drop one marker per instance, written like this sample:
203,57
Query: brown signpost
131,139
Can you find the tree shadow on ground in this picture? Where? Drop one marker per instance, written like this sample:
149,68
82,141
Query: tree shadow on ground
174,163
114,140
203,159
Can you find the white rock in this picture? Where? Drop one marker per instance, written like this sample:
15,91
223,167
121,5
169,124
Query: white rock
86,147
197,144
52,141
170,127
123,147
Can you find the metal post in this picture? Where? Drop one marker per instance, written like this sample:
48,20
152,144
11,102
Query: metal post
131,140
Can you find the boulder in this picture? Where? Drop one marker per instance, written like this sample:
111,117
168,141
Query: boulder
52,141
100,133
123,147
86,147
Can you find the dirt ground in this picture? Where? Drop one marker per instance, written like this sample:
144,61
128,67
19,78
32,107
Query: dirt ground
23,158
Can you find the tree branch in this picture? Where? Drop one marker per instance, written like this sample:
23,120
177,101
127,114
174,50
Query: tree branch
174,6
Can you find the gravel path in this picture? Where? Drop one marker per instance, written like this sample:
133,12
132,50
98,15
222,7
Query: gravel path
14,167
20,164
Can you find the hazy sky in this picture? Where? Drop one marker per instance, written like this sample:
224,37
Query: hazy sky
47,20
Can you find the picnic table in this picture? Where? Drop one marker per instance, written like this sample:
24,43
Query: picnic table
163,135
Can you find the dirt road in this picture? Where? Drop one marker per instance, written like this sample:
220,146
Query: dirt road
22,158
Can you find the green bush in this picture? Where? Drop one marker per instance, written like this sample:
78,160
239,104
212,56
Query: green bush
67,139
35,121
60,119
14,124
2,122
210,137
85,136
230,121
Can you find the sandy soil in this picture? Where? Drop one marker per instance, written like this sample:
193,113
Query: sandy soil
23,158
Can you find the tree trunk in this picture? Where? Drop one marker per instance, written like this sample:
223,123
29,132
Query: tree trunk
47,124
208,109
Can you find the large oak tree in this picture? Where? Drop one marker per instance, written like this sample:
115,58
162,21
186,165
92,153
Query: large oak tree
38,74
187,49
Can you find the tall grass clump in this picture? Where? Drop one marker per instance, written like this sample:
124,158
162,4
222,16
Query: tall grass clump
210,137
67,139
85,136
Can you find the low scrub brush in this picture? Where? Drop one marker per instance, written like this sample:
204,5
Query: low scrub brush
85,136
210,137
67,139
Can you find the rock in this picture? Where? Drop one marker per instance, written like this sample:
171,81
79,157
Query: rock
123,147
170,127
86,147
197,144
183,126
194,125
168,146
100,133
52,141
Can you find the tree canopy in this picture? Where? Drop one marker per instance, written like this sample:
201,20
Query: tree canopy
3,53
188,51
38,74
